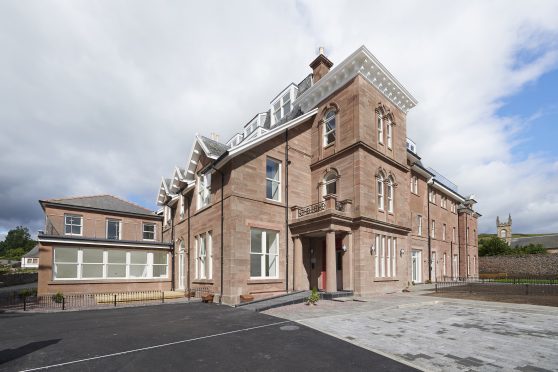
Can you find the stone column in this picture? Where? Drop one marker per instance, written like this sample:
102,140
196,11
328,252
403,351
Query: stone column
331,270
298,264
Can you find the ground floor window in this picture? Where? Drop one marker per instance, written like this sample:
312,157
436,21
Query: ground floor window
385,256
98,263
203,252
264,253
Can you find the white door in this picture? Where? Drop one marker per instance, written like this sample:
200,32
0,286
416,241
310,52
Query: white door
455,267
433,267
181,270
416,267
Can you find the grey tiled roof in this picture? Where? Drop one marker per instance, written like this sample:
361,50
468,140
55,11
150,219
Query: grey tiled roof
215,148
104,202
547,241
33,253
304,84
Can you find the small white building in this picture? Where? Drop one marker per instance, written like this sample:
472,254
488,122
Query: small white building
30,260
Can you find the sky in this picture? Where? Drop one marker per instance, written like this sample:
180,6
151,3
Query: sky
105,97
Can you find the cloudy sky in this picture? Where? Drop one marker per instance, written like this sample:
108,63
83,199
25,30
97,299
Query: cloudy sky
106,96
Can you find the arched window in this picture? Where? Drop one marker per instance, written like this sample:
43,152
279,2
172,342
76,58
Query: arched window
390,194
503,234
330,183
380,191
329,127
380,122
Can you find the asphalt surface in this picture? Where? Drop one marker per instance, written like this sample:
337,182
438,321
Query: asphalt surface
191,336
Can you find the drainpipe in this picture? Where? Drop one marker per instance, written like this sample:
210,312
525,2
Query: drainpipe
173,251
188,251
287,211
466,247
458,247
429,232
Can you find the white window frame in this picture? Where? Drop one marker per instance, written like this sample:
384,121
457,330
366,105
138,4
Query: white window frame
181,211
453,234
273,181
330,178
204,258
204,190
390,195
385,256
433,230
380,127
119,228
80,264
327,119
263,254
380,191
143,231
444,232
444,202
80,217
283,105
419,223
414,184
389,133
432,197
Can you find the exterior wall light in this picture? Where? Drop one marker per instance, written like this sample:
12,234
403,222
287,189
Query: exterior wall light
401,252
344,247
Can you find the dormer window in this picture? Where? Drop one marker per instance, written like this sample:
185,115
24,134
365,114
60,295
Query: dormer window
329,128
204,189
283,104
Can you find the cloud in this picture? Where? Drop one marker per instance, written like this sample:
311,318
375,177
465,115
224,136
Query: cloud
106,98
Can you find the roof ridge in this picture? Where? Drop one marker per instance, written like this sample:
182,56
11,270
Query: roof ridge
77,197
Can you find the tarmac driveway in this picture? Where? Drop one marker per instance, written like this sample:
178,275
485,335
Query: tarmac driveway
192,336
441,335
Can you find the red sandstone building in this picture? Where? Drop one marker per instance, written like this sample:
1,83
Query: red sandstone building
321,190
99,244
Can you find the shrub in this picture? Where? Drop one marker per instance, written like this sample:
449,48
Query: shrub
58,297
313,298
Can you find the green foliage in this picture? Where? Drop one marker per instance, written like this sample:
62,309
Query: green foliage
58,297
28,292
493,246
17,243
313,298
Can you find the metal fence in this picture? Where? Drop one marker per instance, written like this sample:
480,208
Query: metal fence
509,286
28,301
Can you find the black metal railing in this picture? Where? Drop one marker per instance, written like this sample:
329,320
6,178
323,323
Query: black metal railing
509,286
27,300
313,208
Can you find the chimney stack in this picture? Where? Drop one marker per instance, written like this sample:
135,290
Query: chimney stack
214,136
320,66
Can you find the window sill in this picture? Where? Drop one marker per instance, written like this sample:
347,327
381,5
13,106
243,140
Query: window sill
382,280
202,281
329,145
105,281
274,202
381,211
265,281
201,209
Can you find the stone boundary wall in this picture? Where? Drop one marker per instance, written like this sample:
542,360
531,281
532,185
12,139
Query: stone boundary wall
18,278
529,265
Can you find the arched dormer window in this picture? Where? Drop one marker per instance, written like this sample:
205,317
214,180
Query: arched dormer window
380,190
390,194
330,183
329,127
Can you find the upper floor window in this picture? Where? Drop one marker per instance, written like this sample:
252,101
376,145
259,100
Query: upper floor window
419,225
453,235
73,224
330,183
204,189
273,179
444,232
380,128
282,106
167,217
389,128
113,229
181,206
432,196
390,194
414,184
433,228
329,127
148,231
380,191
444,202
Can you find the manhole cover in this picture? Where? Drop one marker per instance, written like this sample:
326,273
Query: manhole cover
289,328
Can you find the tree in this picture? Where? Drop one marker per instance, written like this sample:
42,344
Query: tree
493,246
17,243
530,249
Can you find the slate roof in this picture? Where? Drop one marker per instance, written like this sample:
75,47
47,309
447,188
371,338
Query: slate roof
104,202
33,253
547,241
215,148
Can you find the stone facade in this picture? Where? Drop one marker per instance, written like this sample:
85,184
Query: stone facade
531,265
342,240
93,237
